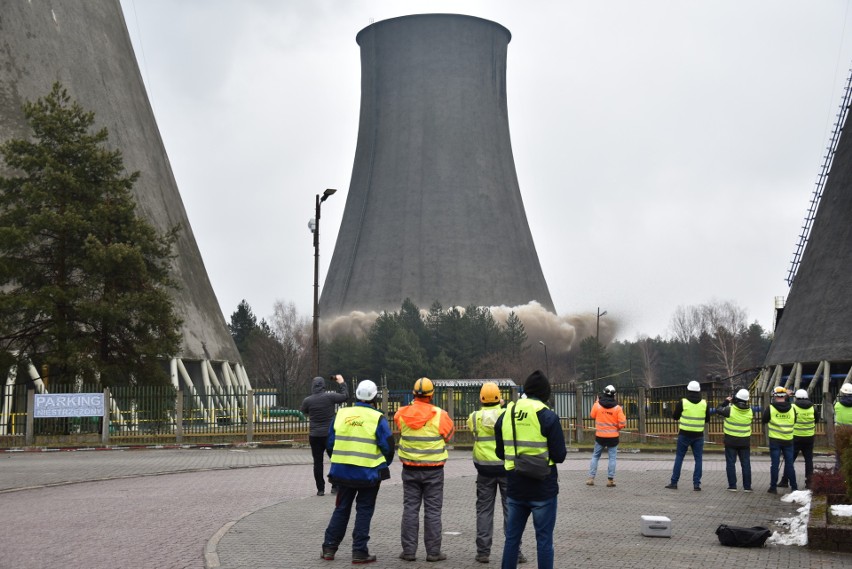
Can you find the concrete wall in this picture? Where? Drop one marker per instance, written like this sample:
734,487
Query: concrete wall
434,211
85,45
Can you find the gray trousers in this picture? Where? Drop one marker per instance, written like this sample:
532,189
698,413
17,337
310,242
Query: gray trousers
424,486
486,498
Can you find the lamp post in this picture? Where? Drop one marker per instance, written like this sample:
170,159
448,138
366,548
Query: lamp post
597,342
313,225
546,362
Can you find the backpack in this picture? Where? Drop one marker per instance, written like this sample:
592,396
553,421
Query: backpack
733,536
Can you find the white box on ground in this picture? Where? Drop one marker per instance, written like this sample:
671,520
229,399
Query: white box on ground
656,526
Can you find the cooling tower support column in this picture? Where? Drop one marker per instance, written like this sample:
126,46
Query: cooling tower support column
434,211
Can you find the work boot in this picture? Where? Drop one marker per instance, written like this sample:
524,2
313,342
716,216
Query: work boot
521,557
610,483
328,553
783,483
590,481
672,486
360,557
436,557
407,556
772,490
483,558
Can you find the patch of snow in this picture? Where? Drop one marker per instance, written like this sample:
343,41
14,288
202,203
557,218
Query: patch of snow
841,510
798,526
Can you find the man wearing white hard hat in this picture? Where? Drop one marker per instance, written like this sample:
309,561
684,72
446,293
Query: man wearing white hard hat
691,413
804,433
362,447
843,414
737,428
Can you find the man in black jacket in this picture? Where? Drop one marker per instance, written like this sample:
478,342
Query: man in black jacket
804,433
319,407
780,419
737,428
691,413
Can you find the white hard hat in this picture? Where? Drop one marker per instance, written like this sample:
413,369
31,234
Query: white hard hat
609,390
801,394
693,386
366,390
846,389
742,395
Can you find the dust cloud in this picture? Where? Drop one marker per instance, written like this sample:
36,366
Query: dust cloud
561,333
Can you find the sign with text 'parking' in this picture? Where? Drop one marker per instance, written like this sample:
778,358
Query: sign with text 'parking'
69,405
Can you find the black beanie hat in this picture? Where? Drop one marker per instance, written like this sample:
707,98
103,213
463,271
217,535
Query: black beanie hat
537,385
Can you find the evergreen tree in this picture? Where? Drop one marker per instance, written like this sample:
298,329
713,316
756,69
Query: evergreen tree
381,333
442,367
243,324
515,336
84,281
405,359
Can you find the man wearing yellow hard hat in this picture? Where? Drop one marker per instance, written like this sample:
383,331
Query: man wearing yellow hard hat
424,432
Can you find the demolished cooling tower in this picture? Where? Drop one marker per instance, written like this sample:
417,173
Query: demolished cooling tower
434,211
85,45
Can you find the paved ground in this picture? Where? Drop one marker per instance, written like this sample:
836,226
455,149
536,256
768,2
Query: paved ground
255,508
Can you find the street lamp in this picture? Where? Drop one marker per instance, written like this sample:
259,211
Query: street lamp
597,342
546,362
313,225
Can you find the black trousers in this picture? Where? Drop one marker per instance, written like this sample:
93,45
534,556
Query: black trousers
804,445
318,445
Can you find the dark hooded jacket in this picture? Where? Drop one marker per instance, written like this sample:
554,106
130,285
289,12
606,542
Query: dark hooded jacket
724,410
319,406
692,397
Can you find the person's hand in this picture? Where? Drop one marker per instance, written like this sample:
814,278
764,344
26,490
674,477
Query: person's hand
338,378
729,398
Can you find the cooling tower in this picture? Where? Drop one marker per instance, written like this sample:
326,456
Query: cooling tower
85,45
434,211
816,325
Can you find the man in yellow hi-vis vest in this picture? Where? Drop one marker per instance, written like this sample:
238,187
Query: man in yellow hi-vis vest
780,420
362,447
691,413
424,430
535,434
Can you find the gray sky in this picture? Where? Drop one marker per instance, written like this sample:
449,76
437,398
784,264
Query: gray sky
666,150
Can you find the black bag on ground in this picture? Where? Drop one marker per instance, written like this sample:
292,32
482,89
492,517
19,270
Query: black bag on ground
733,536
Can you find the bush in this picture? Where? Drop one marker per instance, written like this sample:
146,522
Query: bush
843,443
827,480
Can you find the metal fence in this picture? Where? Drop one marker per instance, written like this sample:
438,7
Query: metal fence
164,415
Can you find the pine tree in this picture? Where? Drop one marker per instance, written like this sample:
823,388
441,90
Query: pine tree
84,281
515,336
243,324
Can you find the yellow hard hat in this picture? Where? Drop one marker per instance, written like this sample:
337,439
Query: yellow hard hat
424,387
489,393
779,392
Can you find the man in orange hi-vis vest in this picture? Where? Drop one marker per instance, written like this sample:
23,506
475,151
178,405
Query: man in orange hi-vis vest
609,420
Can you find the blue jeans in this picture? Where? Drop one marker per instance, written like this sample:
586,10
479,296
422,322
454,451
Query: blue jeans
683,443
365,505
544,520
775,452
731,455
596,455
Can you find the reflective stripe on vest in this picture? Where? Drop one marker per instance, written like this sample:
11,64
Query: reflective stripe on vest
842,415
528,430
781,424
738,424
484,441
606,421
355,437
692,418
805,425
423,445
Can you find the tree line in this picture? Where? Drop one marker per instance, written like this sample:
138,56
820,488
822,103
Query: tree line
709,340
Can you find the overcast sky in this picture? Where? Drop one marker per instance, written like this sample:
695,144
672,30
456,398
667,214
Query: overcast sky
666,150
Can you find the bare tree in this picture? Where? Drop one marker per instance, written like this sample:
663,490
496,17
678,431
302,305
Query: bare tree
724,328
650,361
294,333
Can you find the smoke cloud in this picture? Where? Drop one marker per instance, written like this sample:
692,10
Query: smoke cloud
562,334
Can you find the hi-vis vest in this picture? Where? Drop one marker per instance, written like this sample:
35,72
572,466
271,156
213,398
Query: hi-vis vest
423,445
781,424
484,443
842,415
738,424
692,418
355,437
805,425
527,429
606,421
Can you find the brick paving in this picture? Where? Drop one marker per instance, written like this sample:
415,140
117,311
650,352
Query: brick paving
255,508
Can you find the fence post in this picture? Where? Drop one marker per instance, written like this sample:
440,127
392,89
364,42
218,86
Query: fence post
828,417
578,410
105,422
30,437
643,428
450,403
385,392
250,415
179,417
